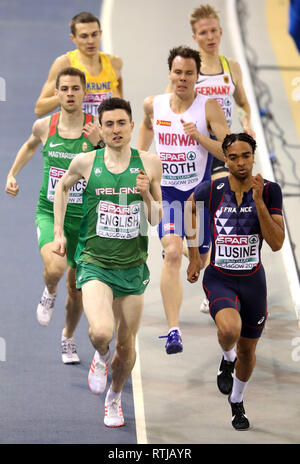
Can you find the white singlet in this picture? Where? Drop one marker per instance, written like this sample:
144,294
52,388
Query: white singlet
183,159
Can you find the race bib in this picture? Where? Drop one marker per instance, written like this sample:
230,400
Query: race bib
118,221
92,101
179,169
75,195
237,252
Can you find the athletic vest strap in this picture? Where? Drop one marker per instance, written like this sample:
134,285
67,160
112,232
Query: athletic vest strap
53,124
88,118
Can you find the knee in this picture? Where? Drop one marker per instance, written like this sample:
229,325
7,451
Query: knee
54,272
173,256
231,333
100,336
126,349
73,293
246,355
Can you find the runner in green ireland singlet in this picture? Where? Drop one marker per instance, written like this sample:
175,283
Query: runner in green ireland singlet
113,209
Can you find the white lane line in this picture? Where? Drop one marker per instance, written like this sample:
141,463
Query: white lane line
106,21
286,251
106,13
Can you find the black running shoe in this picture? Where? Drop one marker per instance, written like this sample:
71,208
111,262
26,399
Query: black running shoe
225,376
239,419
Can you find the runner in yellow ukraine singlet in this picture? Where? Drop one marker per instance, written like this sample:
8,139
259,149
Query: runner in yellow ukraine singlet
99,87
103,71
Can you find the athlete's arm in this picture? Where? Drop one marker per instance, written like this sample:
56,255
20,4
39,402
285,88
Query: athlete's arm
47,101
146,134
24,155
272,225
217,124
74,174
117,64
191,224
240,98
149,187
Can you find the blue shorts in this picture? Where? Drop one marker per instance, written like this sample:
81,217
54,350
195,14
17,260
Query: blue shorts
247,294
173,217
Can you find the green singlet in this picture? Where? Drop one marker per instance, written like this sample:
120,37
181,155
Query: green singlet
113,233
58,153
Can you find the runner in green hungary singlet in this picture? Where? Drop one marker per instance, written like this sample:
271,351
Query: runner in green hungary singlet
63,135
58,153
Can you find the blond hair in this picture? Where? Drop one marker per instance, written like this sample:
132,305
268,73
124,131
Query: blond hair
203,12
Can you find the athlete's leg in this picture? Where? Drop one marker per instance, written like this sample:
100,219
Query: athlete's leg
229,326
73,304
54,267
170,282
246,358
127,312
97,299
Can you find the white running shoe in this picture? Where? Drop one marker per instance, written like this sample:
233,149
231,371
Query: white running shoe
97,377
204,307
69,351
45,307
113,413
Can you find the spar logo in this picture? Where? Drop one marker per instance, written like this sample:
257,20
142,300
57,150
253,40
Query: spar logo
135,209
253,239
56,172
107,207
233,240
161,122
191,156
172,157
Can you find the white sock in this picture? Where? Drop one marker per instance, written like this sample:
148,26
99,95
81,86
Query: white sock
53,295
104,357
175,328
111,395
238,390
229,355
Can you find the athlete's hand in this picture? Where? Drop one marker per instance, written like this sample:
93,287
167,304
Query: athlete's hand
193,270
59,245
250,132
92,131
142,183
12,187
257,187
190,129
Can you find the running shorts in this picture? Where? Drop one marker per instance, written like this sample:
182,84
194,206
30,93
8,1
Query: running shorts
173,202
123,282
245,293
45,232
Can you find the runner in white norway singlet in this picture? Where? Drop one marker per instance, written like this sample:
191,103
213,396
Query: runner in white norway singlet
183,159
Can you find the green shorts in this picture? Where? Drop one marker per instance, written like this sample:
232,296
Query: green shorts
123,282
45,225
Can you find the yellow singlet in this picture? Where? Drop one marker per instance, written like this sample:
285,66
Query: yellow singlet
98,87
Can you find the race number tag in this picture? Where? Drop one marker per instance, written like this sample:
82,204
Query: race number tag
237,252
75,195
118,221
